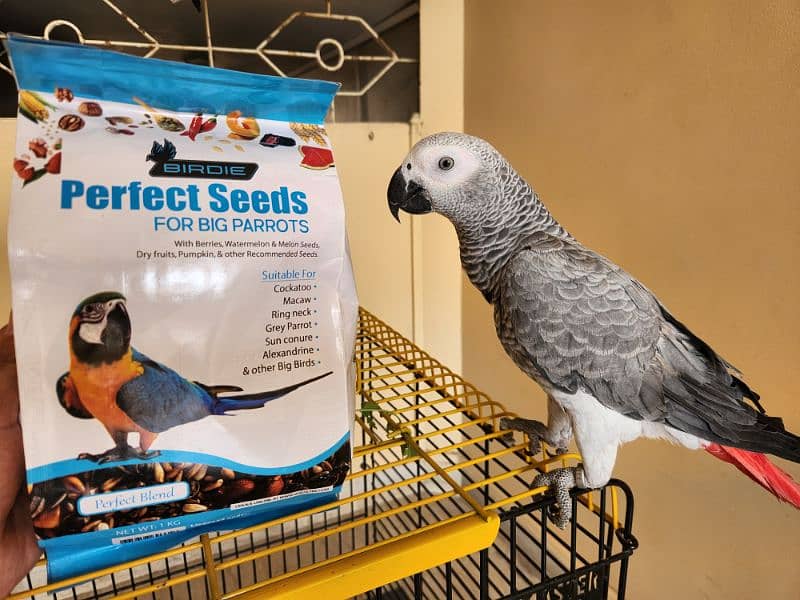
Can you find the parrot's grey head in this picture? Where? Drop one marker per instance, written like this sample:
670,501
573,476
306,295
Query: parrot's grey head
466,180
459,176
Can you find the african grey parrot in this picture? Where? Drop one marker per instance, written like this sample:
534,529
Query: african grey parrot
615,363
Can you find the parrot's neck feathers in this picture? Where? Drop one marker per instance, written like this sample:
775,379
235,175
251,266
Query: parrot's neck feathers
487,247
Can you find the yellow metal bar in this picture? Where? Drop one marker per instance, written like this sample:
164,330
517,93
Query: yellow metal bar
387,563
516,498
161,585
446,476
342,528
460,426
107,571
211,573
356,552
367,429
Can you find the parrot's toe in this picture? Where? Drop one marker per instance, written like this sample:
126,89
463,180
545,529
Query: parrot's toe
508,436
535,430
560,482
147,454
114,454
557,452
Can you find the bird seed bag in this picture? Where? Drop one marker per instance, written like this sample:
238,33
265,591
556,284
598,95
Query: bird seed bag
184,306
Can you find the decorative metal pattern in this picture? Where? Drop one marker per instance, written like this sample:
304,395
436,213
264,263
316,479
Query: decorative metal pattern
265,51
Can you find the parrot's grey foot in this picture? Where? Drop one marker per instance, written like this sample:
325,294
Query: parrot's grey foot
114,454
560,482
118,453
536,431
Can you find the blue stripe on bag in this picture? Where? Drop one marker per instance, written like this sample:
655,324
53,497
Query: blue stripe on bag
73,555
69,467
90,72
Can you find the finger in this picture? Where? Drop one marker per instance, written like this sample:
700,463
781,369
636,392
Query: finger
7,341
11,458
9,394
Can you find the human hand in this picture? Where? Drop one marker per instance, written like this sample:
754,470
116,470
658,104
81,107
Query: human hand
18,548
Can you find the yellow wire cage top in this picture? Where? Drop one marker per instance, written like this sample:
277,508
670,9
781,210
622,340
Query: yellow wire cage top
431,470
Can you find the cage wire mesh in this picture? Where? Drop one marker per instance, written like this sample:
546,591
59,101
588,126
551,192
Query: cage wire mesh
428,455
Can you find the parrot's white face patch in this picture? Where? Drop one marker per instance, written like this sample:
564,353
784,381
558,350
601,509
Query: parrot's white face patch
442,167
91,333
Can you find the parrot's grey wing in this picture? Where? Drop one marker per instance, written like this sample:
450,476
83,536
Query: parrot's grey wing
703,397
575,320
581,322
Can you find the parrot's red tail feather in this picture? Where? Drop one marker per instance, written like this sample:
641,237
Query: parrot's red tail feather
759,468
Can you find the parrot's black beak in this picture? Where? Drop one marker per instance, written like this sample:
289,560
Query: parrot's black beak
101,329
120,311
411,197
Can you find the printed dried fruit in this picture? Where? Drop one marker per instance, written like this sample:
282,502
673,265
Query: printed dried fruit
117,131
166,123
316,158
90,109
27,174
20,165
242,128
64,94
169,123
73,484
119,120
238,488
49,519
38,147
158,472
70,123
37,506
275,487
53,166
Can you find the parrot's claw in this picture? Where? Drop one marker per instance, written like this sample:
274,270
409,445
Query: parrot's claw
114,454
536,431
118,453
560,482
556,453
145,454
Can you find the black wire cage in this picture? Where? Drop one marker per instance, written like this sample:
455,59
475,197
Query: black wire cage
428,461
529,560
530,557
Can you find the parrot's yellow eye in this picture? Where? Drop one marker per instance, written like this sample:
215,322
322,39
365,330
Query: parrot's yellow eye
446,163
